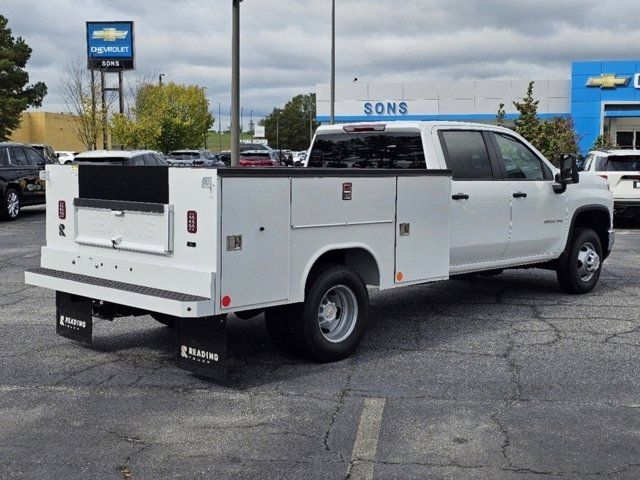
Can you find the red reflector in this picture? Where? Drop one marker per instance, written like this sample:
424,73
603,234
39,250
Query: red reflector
606,177
62,210
226,301
192,221
363,127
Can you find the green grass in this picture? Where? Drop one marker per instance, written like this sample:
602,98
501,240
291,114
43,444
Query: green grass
213,141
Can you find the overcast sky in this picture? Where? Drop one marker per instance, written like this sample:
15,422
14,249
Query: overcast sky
286,43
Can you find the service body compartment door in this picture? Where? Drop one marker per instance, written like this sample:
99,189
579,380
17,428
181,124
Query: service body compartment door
422,228
254,241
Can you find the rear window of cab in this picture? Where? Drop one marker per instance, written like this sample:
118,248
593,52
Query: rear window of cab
368,150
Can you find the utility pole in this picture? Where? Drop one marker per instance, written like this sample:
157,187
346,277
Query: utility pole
104,109
241,121
235,83
94,123
220,125
278,130
333,62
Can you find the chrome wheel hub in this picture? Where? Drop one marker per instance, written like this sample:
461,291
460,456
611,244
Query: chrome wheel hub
338,313
13,204
588,262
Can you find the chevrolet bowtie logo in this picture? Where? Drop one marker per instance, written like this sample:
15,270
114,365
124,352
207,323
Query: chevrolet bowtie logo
109,34
607,80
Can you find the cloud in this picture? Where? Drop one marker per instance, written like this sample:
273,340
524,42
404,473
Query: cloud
285,43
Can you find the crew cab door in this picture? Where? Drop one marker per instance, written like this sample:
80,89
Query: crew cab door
480,207
538,214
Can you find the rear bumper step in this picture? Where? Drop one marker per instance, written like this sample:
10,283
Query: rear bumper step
146,298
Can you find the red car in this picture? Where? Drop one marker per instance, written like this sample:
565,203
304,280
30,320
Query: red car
258,158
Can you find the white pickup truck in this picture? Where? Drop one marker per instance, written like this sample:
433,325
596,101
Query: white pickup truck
386,205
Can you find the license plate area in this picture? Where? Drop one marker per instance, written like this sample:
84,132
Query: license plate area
133,226
74,318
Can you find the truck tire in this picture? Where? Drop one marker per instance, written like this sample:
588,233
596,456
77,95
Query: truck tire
580,272
164,319
10,205
279,322
335,315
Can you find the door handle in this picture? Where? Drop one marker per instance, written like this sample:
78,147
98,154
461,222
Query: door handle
519,195
460,196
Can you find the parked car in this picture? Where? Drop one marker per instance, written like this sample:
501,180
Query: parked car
20,183
259,158
621,168
65,157
46,151
194,158
131,158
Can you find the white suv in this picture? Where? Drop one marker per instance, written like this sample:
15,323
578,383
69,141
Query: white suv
622,169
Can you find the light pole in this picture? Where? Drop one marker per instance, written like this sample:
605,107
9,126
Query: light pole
333,62
160,78
242,121
235,83
220,125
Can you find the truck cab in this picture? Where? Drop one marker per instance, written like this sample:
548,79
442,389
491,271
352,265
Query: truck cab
506,209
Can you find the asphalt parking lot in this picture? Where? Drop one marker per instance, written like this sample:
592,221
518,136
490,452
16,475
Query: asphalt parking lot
482,378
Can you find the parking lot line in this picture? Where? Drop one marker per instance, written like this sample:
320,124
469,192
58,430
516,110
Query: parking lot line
366,444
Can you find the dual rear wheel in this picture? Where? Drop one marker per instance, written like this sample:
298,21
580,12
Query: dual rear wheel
332,321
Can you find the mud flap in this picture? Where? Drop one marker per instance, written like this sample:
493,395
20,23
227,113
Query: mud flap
74,319
202,346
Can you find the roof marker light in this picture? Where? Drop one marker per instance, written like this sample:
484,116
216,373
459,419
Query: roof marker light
363,127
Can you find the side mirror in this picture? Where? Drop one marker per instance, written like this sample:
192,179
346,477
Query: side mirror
568,172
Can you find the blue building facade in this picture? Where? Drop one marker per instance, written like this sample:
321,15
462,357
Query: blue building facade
605,99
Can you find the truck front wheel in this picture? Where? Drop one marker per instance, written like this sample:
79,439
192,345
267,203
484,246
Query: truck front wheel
580,272
335,315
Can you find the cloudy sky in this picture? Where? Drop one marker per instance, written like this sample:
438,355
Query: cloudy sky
286,43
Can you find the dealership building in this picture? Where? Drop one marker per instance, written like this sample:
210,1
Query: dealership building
602,97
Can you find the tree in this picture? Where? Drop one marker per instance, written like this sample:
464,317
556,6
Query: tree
604,142
165,117
292,126
15,95
528,123
552,137
75,89
501,115
558,136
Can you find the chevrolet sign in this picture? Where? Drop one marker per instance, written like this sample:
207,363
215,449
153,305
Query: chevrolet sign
608,80
110,46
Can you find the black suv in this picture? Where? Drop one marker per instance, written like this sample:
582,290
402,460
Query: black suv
20,182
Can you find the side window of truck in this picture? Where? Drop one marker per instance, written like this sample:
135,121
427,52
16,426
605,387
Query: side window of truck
519,162
466,155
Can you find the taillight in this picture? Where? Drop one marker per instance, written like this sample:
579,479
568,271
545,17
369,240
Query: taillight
62,210
192,221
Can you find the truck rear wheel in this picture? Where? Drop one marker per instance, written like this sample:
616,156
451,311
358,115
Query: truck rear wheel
335,315
581,270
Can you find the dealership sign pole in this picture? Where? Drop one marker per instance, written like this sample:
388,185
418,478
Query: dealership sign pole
110,48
